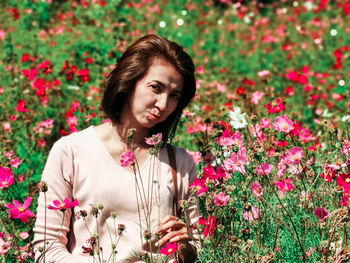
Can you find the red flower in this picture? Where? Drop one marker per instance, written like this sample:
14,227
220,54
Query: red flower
67,203
209,225
21,106
171,248
328,174
344,180
275,106
19,211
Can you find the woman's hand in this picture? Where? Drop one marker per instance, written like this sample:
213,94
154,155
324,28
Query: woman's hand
171,229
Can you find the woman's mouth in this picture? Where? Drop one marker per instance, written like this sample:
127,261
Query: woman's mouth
154,117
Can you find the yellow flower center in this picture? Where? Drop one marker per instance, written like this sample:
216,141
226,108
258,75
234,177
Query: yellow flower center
347,180
21,209
170,250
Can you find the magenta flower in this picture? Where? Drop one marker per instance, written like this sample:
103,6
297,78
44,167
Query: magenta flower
154,139
252,214
264,169
294,155
229,138
321,213
257,189
283,124
285,185
170,248
67,203
209,225
6,177
19,211
221,199
127,159
237,161
199,187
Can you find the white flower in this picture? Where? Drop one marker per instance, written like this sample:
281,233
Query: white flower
238,119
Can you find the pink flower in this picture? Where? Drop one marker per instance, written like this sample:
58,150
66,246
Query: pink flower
2,34
328,174
321,213
283,124
67,203
252,214
294,155
346,147
9,154
7,126
285,185
127,159
5,246
19,211
221,199
257,97
209,225
6,177
257,189
265,123
237,161
229,138
171,248
24,235
196,156
264,169
16,162
155,139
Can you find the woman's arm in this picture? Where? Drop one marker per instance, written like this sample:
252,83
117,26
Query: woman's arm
52,226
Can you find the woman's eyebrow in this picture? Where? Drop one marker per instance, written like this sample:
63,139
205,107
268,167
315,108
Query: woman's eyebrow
164,86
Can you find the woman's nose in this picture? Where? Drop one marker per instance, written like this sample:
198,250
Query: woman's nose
162,102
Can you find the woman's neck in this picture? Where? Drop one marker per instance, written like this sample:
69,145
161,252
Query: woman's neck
123,131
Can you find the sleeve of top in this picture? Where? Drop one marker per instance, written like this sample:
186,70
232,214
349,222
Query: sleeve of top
188,171
58,174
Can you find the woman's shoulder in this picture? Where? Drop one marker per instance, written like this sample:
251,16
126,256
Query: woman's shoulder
75,139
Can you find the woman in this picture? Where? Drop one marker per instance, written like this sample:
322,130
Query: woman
146,92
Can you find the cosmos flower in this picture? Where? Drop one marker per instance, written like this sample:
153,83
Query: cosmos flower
237,119
170,248
154,139
253,214
237,161
221,199
127,159
19,211
264,168
321,213
209,225
283,124
6,177
257,189
67,203
294,155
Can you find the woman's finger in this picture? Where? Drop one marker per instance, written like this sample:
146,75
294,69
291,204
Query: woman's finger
171,225
173,236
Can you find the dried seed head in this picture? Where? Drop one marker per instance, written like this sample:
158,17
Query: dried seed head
94,211
147,235
121,228
42,186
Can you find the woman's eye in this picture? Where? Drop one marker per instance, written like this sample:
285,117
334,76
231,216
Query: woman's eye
175,96
155,87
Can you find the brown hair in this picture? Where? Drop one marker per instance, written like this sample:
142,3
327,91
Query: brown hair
134,64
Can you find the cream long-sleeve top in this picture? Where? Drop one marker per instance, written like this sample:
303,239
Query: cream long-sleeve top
80,167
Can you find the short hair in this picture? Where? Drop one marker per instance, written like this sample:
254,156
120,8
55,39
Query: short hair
134,64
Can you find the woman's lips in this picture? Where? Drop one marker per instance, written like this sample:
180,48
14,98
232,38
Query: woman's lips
154,116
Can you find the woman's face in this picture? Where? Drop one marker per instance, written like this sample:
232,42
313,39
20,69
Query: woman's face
155,96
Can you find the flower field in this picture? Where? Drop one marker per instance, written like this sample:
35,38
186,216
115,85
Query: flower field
269,127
